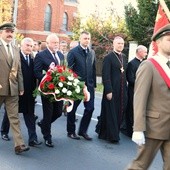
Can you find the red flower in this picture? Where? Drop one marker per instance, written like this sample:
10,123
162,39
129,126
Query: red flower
71,71
59,69
48,78
75,75
41,85
51,86
62,78
49,72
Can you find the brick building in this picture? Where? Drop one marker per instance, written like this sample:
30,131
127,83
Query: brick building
38,18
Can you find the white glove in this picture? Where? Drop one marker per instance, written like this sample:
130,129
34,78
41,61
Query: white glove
138,138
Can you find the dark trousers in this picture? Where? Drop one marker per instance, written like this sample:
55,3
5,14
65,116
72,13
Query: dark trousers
29,119
51,111
5,124
29,122
85,121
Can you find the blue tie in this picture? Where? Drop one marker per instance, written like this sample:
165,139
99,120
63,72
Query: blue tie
27,59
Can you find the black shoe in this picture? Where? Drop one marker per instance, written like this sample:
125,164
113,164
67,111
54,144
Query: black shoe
5,137
85,136
73,136
34,143
49,143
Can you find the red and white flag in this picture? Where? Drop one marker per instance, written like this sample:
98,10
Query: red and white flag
161,20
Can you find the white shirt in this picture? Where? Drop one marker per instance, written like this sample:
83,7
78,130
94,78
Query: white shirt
162,60
56,55
25,57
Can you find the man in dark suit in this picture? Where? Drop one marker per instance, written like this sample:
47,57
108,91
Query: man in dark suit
27,101
82,62
11,82
141,52
51,110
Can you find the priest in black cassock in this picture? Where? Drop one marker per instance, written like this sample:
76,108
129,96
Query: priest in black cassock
115,93
141,52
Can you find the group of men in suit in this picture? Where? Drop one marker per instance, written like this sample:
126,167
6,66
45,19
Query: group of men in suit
21,72
151,129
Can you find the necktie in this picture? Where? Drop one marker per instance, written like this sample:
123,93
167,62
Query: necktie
27,59
85,51
55,58
9,55
168,63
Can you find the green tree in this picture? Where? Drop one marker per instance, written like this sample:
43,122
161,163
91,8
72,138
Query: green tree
102,31
6,10
140,22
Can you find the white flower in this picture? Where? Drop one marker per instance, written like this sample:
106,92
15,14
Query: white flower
60,84
78,89
69,93
75,84
70,78
69,83
64,90
76,81
57,91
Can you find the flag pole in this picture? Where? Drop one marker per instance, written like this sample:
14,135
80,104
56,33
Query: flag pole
165,8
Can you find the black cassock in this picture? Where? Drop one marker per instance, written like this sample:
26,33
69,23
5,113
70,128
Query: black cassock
112,111
131,76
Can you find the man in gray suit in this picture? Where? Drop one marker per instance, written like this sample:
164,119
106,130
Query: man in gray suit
11,82
152,105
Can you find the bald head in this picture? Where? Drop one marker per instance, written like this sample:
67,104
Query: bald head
118,44
141,52
52,42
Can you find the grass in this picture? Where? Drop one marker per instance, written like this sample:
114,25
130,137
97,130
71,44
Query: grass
99,88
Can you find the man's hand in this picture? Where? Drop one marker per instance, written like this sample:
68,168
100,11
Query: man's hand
109,96
21,93
138,138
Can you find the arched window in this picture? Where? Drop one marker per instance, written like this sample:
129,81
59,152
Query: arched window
47,18
65,22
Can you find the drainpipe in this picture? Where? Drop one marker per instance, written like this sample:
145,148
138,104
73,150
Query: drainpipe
15,12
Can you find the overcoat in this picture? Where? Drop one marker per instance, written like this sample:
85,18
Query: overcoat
27,101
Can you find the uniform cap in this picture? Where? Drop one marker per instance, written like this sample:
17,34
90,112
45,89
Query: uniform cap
6,26
161,32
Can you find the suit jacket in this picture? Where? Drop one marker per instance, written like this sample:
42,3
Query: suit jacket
26,101
83,64
131,71
42,62
10,76
151,103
